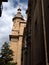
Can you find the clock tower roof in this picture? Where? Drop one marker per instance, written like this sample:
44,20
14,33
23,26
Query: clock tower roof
18,15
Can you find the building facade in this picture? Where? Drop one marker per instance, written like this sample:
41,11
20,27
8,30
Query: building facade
16,37
46,16
36,51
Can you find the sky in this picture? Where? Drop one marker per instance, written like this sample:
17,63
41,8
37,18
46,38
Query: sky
8,12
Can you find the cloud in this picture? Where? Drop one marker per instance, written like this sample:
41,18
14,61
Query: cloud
9,10
24,1
14,3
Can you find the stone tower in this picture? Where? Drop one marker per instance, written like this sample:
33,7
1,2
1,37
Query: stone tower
17,35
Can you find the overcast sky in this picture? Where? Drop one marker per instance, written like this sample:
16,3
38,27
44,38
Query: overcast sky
9,10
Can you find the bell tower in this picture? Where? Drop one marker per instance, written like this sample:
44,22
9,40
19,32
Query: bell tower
17,35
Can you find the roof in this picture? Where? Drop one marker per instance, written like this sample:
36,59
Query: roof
18,15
